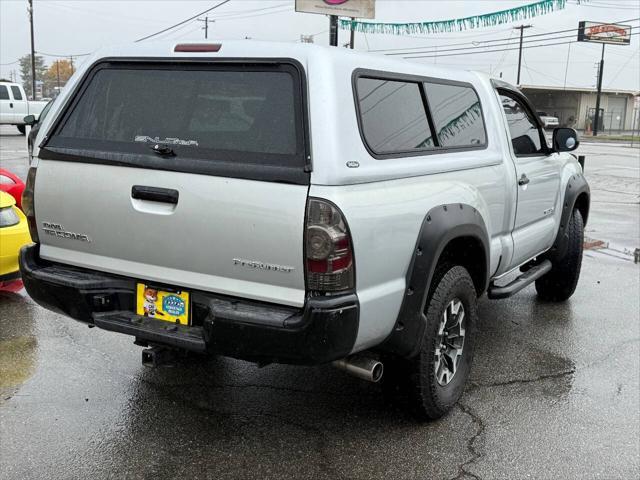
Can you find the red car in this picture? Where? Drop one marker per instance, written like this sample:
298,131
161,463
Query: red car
11,184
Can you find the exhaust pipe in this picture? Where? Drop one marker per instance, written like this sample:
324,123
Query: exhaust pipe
362,367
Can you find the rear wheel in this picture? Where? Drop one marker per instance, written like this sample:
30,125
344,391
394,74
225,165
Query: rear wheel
561,281
21,129
434,380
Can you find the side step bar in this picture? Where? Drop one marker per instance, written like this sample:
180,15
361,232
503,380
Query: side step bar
496,292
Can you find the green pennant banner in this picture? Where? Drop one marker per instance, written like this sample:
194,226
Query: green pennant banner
457,24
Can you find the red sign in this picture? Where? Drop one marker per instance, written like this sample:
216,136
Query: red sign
604,33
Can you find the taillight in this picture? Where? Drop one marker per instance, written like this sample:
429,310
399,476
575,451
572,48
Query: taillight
8,217
28,206
329,251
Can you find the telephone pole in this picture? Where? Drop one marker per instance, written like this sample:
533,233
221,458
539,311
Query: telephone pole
33,53
71,61
352,38
333,30
597,116
206,25
521,28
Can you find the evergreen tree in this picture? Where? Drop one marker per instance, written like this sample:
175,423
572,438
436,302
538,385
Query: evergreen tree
25,71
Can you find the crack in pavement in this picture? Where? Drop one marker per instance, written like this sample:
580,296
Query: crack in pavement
462,468
476,455
562,373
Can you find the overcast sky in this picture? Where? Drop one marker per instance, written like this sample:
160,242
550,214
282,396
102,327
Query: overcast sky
77,27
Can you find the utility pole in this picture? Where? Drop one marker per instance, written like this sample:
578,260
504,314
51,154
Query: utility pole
521,28
352,38
566,68
33,53
71,61
333,30
58,72
597,116
206,25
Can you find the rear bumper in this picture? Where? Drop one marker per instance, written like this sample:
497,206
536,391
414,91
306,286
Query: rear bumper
325,329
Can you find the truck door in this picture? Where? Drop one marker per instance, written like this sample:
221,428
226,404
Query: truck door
6,106
537,177
20,109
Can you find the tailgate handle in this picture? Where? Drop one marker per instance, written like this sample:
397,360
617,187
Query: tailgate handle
155,194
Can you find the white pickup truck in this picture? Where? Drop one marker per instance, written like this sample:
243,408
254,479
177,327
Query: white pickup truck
14,105
299,204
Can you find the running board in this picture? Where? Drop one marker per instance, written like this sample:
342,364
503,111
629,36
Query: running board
495,292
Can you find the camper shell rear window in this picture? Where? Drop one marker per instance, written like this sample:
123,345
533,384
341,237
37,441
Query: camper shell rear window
232,119
401,115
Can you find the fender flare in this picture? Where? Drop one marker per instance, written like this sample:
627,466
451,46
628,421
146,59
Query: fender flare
576,186
441,225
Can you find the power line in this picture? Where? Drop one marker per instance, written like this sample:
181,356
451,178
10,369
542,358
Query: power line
610,6
183,21
243,12
528,39
502,59
240,17
480,47
498,50
633,55
401,50
475,41
491,40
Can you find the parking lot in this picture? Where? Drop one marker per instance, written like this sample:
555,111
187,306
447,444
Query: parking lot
554,391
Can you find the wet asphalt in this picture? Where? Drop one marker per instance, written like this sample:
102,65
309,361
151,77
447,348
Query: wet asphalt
554,393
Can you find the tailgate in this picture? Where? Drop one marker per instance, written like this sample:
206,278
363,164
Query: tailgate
187,175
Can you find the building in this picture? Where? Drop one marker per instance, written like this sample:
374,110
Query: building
575,107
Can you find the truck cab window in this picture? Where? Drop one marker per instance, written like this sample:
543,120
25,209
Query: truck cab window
526,136
17,95
4,93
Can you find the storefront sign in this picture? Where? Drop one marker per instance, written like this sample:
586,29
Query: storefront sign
604,33
341,8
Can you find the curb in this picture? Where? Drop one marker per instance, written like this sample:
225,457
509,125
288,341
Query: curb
612,249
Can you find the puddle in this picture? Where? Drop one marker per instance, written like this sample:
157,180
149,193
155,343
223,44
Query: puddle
17,360
18,343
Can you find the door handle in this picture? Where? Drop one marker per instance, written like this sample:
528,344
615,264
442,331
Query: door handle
10,105
523,180
155,194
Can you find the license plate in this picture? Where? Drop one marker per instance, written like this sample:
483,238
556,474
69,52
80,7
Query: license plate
170,306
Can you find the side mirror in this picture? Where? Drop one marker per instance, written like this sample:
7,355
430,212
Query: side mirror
30,120
565,139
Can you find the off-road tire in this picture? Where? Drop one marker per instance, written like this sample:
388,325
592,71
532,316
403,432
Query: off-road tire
412,382
21,129
561,281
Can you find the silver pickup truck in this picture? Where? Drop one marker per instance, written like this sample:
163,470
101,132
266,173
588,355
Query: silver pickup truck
299,204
